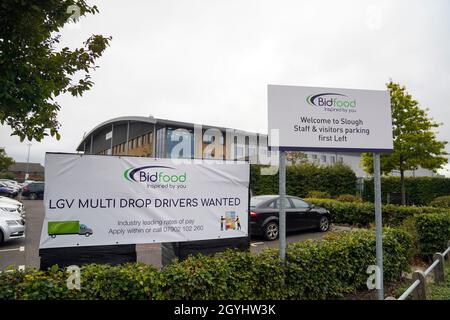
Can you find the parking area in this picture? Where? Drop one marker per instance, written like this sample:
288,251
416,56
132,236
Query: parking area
24,253
259,244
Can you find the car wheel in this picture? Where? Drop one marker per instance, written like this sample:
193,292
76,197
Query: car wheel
324,224
53,236
33,196
1,236
87,234
271,231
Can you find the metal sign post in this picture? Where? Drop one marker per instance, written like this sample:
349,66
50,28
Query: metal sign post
282,204
331,120
378,224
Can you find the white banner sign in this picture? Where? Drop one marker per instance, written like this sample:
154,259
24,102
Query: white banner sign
100,200
329,119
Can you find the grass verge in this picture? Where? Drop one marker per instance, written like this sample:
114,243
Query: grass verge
440,291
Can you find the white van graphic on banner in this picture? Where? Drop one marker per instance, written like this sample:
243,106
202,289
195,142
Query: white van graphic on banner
98,200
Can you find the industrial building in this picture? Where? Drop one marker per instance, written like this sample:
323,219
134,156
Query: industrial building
152,137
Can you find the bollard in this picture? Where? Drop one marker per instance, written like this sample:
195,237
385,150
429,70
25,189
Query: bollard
439,269
421,291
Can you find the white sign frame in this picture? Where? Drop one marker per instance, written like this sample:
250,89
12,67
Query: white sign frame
175,210
360,118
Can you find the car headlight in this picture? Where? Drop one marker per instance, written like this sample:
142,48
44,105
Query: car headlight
8,209
11,222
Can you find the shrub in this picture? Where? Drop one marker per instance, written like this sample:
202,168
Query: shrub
347,198
409,226
363,214
433,232
421,190
314,270
300,179
318,194
7,175
441,202
317,270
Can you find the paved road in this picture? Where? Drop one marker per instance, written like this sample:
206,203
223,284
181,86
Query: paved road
25,252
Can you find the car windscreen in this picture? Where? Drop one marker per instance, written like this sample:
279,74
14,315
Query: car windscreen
255,201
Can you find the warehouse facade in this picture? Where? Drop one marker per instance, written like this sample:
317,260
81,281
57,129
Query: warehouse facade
151,137
160,138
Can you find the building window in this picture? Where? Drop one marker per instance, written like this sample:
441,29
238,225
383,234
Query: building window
252,151
323,158
314,156
175,137
208,138
150,138
240,152
333,159
341,159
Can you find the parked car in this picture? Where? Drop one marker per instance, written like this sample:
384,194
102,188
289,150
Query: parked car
300,215
16,204
34,190
7,190
12,183
12,226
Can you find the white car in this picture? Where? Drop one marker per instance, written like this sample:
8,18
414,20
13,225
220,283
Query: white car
17,204
11,183
12,226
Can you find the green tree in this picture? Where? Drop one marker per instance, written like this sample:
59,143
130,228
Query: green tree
415,142
5,161
33,72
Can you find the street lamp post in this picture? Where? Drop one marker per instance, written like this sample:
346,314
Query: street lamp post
28,162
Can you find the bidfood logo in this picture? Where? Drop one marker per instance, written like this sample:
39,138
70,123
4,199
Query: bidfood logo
154,174
330,100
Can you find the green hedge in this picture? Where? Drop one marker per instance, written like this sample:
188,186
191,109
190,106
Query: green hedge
363,214
433,232
314,270
420,190
300,179
441,202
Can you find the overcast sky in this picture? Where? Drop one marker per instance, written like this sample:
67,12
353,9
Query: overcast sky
209,61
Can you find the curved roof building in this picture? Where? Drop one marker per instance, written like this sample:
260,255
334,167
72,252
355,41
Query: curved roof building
152,137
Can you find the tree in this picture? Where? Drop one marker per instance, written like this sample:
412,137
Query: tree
5,161
296,157
33,72
415,142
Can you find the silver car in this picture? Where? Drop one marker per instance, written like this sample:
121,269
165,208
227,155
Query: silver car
11,204
12,226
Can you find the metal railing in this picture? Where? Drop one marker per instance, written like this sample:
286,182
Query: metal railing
419,287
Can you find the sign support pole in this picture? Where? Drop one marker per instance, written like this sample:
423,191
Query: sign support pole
282,217
378,225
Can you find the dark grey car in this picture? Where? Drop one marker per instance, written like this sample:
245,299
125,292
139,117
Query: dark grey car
300,215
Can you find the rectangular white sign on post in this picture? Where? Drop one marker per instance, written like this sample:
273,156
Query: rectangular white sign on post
97,200
330,119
